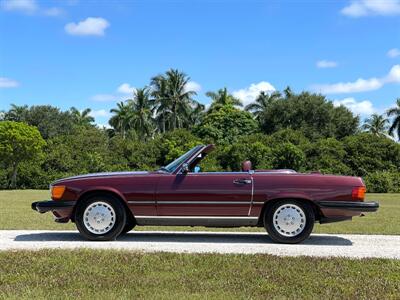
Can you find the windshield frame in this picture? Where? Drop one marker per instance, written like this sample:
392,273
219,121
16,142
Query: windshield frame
175,165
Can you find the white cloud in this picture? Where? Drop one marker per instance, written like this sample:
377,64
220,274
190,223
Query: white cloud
359,108
25,6
326,64
392,53
29,7
99,113
193,86
250,93
360,85
8,83
394,75
361,8
89,26
53,11
104,98
126,88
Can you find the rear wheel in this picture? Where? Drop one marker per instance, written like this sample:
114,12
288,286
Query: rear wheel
100,218
289,221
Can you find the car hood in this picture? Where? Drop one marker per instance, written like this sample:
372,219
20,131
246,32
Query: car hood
103,174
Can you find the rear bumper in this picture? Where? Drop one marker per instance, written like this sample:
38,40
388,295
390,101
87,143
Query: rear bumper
45,206
349,205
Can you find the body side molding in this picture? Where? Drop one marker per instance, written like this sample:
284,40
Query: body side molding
196,221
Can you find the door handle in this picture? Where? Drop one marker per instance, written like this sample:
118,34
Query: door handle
242,181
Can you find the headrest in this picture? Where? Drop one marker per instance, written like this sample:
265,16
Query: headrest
246,166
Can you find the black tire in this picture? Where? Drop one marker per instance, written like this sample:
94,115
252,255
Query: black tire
130,224
117,227
277,236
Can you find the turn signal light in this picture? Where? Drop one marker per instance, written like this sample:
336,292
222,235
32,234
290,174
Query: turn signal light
358,193
57,191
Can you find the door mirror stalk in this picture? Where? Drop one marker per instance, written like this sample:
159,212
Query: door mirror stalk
185,168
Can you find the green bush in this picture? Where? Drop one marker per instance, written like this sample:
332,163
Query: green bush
258,153
327,156
226,125
19,144
366,153
175,143
87,149
288,156
383,182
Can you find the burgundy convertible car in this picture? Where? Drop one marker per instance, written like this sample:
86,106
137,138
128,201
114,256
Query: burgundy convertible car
285,202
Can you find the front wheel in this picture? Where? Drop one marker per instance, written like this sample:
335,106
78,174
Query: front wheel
100,218
289,221
130,224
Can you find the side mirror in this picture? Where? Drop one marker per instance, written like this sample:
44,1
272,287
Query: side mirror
185,168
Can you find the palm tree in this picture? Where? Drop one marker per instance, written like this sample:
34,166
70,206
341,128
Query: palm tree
17,113
288,92
222,98
162,102
261,104
141,117
376,125
395,113
196,114
121,120
81,118
172,99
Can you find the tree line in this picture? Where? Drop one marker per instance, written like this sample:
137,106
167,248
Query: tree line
302,131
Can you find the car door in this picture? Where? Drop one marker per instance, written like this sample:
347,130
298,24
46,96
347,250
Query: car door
204,194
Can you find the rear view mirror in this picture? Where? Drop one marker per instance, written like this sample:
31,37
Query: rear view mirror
185,168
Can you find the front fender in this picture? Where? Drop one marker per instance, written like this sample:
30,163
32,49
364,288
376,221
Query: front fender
109,189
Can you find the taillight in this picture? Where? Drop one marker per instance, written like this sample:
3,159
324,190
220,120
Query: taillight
57,192
358,193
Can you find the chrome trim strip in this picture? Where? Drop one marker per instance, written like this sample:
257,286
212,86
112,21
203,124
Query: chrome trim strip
205,202
217,173
142,202
196,221
196,217
252,194
197,202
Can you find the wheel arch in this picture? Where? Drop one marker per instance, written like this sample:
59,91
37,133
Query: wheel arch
268,204
104,192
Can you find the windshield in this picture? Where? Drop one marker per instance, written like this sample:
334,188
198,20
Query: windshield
177,162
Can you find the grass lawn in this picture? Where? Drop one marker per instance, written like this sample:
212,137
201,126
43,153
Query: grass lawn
111,274
16,213
125,275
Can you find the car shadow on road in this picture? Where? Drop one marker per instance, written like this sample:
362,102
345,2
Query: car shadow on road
184,237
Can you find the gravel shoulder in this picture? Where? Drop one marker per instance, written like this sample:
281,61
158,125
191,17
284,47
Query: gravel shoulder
319,245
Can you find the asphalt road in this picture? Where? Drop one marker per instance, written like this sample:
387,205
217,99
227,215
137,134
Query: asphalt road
319,245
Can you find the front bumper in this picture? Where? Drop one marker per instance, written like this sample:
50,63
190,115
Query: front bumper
45,206
350,205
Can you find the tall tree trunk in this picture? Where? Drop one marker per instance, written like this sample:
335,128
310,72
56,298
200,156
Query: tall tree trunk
174,112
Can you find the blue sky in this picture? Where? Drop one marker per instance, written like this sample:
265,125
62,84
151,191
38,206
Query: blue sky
93,53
